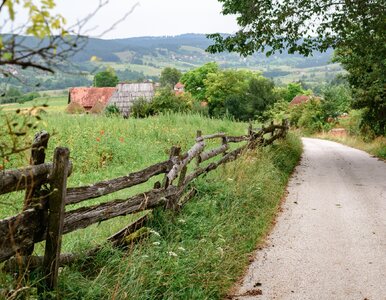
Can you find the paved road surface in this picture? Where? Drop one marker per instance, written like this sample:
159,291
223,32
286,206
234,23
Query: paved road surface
330,240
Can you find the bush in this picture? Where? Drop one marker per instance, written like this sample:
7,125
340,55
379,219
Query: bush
112,110
141,108
164,101
309,116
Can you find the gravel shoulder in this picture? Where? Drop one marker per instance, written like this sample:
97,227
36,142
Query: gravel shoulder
330,239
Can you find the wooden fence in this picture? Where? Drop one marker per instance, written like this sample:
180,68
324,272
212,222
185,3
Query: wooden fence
46,195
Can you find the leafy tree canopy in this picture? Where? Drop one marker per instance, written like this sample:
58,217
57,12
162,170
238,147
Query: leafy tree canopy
299,26
194,80
169,77
356,29
106,78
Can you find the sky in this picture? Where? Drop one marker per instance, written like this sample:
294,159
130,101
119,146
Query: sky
149,17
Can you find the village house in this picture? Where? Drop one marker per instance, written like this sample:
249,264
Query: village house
127,93
299,99
179,88
88,97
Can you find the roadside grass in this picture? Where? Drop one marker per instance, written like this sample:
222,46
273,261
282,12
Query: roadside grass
197,254
200,252
376,147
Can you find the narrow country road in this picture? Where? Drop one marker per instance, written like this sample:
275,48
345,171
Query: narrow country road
330,239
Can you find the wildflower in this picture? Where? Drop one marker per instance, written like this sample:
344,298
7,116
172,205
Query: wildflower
102,132
171,253
155,232
98,139
156,243
182,221
181,248
121,139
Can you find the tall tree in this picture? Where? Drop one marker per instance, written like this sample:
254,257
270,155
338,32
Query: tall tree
106,78
194,80
169,77
356,28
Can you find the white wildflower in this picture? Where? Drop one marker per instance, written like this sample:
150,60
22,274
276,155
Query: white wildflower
155,232
156,243
181,248
171,253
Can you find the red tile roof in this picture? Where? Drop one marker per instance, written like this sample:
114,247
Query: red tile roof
299,99
179,85
88,96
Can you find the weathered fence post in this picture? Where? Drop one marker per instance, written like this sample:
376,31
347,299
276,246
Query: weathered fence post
174,152
57,198
198,160
38,156
33,192
250,129
224,141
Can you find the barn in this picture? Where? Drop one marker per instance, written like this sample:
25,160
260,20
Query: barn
87,97
299,99
127,93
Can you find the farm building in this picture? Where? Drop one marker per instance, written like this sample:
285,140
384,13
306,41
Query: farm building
179,88
127,93
299,100
87,97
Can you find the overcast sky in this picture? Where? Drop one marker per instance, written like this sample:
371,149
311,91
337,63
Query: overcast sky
150,17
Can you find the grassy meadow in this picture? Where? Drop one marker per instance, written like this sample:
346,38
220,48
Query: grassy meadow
197,254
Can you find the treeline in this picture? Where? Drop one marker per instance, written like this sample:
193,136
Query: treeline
245,95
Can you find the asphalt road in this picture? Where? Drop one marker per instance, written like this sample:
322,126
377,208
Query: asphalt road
330,239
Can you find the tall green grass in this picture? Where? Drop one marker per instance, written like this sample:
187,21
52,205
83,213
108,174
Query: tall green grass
201,252
196,254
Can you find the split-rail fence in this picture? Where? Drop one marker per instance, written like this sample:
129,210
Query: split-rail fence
44,216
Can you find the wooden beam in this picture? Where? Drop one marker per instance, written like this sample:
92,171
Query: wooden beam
19,179
78,194
56,204
85,216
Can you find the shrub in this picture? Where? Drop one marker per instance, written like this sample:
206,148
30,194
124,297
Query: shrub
112,110
141,108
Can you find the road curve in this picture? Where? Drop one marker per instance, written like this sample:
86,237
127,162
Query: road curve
330,239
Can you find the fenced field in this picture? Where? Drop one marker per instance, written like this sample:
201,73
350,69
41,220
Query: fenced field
40,210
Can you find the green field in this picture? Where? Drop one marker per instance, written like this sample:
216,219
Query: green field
197,254
55,104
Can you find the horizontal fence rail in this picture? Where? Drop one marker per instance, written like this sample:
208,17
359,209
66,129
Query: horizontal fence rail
45,218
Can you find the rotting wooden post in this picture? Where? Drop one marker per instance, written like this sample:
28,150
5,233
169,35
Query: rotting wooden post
57,198
38,157
224,141
198,160
174,152
250,129
33,192
182,176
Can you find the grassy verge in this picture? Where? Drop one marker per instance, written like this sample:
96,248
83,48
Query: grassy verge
376,147
197,254
201,252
